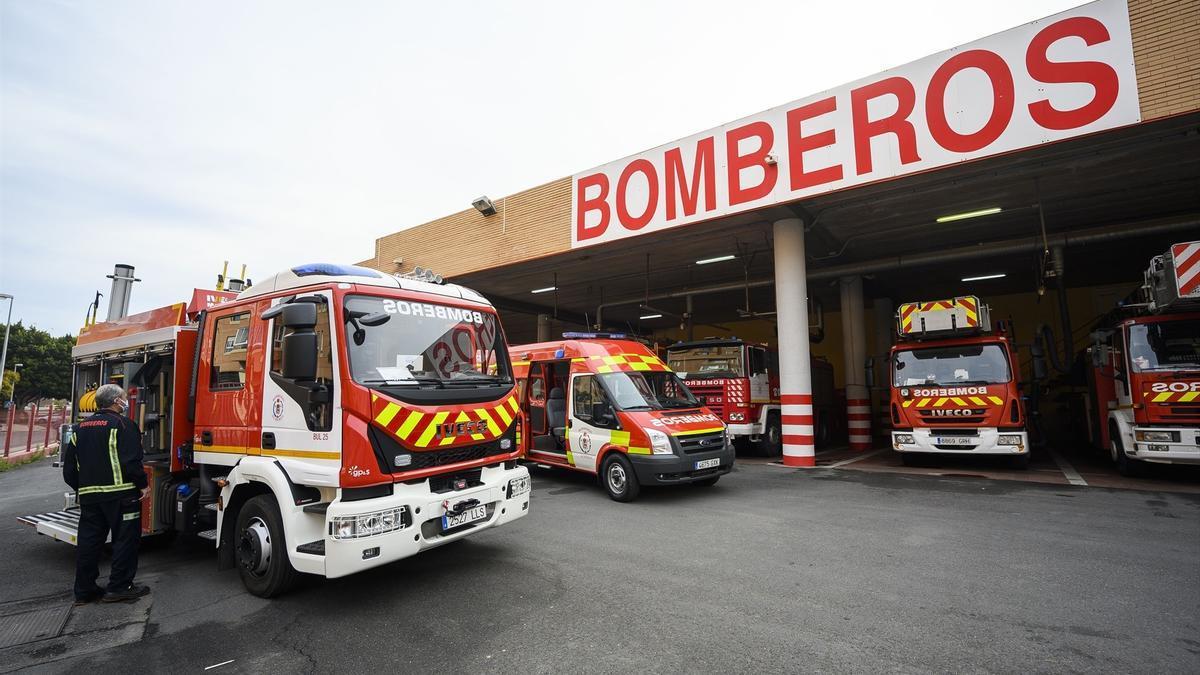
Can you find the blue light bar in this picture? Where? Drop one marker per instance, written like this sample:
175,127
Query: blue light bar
333,270
572,335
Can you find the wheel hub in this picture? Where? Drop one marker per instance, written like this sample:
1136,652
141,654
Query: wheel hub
616,478
254,547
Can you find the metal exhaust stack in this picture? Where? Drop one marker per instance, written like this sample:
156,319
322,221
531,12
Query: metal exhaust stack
118,297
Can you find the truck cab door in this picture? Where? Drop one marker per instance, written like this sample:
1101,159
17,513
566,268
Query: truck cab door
302,419
759,374
228,417
537,400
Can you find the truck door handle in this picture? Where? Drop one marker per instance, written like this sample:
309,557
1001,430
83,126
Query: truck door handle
205,438
268,440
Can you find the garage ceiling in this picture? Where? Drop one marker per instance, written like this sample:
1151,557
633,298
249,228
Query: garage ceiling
1115,180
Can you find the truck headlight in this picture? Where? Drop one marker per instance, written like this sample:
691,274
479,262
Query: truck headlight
1162,436
904,439
368,524
518,486
1009,439
660,443
737,417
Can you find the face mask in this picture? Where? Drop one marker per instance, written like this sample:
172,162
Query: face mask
123,405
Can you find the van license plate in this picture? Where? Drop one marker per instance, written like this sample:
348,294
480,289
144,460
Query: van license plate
708,463
471,515
956,440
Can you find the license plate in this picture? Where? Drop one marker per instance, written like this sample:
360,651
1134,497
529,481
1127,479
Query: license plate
708,463
956,440
471,515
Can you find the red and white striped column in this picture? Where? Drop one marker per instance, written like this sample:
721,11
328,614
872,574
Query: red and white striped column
795,366
858,405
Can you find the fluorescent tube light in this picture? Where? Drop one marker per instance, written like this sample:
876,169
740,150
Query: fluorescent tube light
714,260
985,276
969,214
651,316
544,290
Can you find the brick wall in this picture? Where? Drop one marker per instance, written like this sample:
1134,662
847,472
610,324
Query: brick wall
1166,53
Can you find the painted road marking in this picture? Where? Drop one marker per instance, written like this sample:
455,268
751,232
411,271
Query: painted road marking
1068,471
218,665
852,460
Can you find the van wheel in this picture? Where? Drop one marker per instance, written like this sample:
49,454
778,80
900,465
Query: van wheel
771,443
618,477
708,482
261,549
1125,465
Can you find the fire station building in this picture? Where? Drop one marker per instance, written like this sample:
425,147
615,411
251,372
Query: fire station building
1039,168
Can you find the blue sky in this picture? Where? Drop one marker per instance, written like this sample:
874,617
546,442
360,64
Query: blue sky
174,135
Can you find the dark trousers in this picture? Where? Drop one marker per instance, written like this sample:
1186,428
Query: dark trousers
122,517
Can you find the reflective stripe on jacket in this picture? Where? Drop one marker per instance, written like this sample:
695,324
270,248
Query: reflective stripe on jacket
103,460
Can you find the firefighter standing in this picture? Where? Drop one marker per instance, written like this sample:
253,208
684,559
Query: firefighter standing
103,463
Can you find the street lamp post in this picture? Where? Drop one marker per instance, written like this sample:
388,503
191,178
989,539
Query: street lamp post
16,367
7,326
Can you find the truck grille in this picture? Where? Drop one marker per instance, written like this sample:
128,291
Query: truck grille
711,396
976,417
1182,412
387,450
701,442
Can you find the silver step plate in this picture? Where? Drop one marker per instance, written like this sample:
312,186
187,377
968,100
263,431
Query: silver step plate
61,525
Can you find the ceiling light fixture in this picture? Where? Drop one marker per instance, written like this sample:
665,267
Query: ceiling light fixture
969,214
985,276
651,316
715,260
544,290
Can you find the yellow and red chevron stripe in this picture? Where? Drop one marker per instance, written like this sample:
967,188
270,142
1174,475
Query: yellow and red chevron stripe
968,303
1172,396
957,401
423,427
624,362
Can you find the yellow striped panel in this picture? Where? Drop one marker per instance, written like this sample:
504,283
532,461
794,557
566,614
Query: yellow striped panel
940,402
693,432
977,401
504,416
491,423
958,401
639,451
513,404
639,366
410,423
430,430
1165,396
906,403
570,458
1188,397
388,414
996,400
923,402
619,438
462,417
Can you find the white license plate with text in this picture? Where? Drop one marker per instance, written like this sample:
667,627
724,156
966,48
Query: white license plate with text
708,463
957,440
471,515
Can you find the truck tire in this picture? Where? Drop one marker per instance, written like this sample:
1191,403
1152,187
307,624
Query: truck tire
1125,465
911,459
620,482
261,549
771,443
1020,462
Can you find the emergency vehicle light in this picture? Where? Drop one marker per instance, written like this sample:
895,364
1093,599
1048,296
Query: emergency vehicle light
332,270
574,335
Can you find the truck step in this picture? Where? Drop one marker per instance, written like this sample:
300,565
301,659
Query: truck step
317,508
312,548
210,535
61,525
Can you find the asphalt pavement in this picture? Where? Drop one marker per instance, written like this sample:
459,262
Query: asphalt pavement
771,570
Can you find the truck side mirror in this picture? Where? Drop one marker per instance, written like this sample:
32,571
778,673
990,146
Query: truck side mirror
299,315
300,355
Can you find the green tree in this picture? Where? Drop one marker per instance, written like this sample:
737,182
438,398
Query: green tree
46,369
7,384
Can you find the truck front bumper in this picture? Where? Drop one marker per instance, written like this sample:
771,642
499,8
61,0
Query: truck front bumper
1184,451
422,520
751,429
987,442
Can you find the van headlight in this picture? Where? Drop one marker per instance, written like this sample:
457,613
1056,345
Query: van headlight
518,486
660,443
368,524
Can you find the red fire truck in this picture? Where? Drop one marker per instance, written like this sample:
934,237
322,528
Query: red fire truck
602,404
1144,380
739,381
327,420
954,384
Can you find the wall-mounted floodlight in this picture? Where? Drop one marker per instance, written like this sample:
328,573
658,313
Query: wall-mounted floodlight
484,206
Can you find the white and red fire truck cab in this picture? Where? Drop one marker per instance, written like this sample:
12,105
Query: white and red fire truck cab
1144,380
326,420
739,382
598,403
954,386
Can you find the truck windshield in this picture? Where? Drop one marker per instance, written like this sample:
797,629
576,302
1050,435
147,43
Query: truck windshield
951,366
421,344
647,391
698,362
1165,345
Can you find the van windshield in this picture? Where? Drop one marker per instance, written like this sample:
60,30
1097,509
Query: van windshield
700,362
647,391
420,344
950,366
1165,345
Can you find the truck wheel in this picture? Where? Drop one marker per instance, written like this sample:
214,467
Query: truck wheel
771,443
261,548
823,433
910,459
1125,465
618,477
1020,462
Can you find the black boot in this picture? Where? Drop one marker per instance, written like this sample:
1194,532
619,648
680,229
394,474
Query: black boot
127,594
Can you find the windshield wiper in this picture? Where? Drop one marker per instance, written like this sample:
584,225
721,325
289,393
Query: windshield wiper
420,379
638,407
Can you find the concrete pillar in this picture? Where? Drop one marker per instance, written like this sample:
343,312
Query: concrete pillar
543,327
795,369
885,318
858,404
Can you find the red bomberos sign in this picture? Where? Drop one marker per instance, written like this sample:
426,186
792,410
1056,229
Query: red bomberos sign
1064,76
